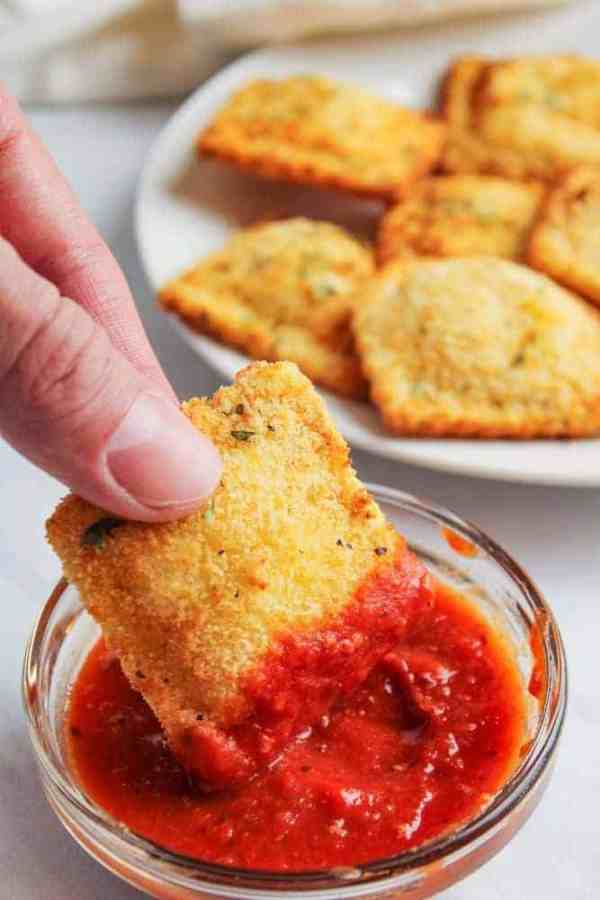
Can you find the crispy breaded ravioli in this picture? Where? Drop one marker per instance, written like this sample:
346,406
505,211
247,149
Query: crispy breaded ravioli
563,84
566,241
535,141
242,623
457,89
311,130
479,347
460,215
281,291
464,150
533,117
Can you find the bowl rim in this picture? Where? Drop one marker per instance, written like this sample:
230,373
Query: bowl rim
342,880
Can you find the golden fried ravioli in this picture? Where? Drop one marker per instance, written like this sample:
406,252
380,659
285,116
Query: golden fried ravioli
464,150
566,241
534,141
479,347
311,130
457,89
243,622
460,215
533,117
281,290
565,84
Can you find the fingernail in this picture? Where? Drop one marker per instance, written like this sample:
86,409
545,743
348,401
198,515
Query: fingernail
159,458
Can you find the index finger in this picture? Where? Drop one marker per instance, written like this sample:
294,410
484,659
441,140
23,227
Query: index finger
41,217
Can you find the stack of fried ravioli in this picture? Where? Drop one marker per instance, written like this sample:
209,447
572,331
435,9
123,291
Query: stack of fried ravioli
505,180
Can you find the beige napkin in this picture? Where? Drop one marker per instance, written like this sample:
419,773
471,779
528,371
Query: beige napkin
66,51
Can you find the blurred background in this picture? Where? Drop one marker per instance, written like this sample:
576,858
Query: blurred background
61,51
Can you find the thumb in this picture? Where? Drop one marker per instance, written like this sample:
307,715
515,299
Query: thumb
73,405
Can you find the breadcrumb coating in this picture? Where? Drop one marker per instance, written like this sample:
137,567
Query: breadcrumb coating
530,117
537,142
460,215
565,243
457,89
311,130
281,291
200,609
479,347
565,84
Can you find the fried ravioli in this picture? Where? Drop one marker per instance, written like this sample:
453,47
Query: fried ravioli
479,347
460,215
281,291
243,622
464,151
536,142
546,109
569,85
566,240
533,117
458,87
310,130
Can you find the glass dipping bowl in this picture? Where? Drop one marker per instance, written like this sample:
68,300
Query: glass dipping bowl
458,554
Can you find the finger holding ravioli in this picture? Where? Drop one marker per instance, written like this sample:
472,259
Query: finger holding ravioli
243,623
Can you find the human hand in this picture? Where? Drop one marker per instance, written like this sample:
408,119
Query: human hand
81,393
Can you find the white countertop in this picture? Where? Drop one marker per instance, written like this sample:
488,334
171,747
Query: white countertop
554,533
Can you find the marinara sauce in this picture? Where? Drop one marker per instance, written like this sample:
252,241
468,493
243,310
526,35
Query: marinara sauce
422,746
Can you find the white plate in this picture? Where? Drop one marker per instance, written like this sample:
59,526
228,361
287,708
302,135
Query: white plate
186,208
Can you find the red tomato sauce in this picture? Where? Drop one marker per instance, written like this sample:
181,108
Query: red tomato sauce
420,747
459,544
304,673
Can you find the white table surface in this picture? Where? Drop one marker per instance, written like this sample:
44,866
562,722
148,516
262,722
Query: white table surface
554,533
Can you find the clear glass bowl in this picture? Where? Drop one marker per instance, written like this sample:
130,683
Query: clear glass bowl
64,633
